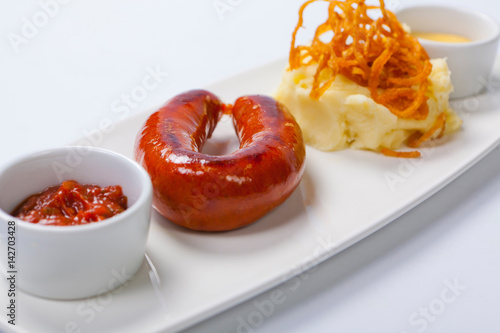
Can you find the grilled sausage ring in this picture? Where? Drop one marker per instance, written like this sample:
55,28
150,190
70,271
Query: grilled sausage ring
219,193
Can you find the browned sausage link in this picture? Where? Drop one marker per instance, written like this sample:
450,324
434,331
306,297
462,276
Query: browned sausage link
215,193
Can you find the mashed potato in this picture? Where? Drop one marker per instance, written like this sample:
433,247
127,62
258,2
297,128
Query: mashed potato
346,116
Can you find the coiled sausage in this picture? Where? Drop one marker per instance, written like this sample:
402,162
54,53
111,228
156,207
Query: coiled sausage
219,193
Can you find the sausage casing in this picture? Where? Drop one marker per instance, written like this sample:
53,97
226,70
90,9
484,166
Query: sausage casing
218,193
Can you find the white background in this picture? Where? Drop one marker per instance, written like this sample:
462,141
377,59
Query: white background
77,68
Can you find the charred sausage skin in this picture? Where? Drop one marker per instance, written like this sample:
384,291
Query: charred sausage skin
220,193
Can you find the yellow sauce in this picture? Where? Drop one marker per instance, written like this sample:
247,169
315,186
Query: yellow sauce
441,37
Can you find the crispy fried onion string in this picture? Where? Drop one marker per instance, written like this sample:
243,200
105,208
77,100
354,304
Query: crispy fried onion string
417,138
403,154
377,54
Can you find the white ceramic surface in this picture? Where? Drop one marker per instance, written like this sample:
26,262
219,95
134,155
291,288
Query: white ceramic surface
470,63
75,261
190,276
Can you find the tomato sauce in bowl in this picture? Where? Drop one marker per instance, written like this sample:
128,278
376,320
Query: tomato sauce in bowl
72,204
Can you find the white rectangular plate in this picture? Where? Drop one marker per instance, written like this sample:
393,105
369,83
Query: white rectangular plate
344,197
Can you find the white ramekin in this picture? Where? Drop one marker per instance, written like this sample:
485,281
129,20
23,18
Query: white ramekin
470,63
70,262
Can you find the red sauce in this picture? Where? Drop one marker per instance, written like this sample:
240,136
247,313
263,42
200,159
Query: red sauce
72,204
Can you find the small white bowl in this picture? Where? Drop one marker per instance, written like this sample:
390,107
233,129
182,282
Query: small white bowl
70,262
470,63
